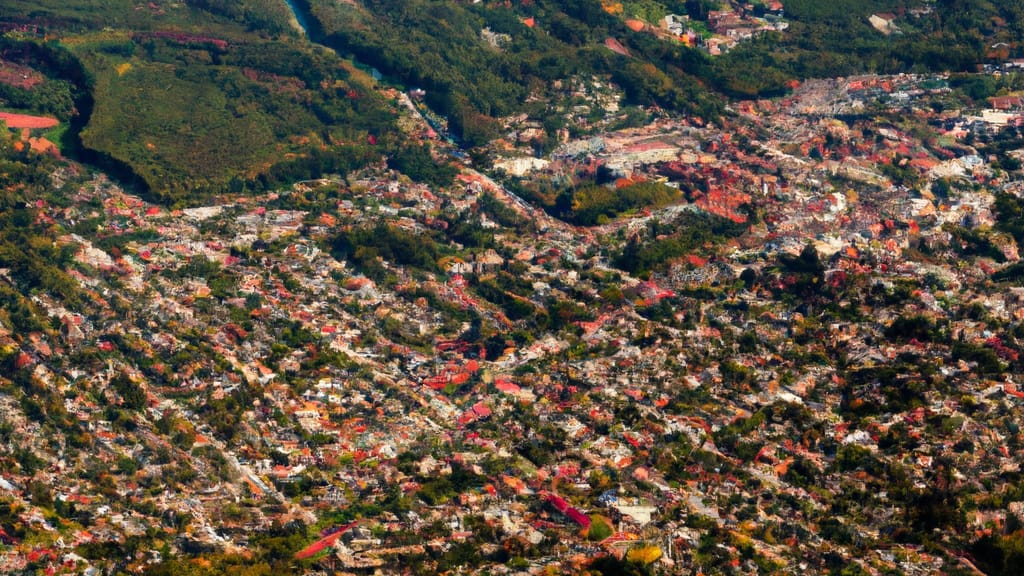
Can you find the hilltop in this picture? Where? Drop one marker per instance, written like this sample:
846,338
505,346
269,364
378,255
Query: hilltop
183,101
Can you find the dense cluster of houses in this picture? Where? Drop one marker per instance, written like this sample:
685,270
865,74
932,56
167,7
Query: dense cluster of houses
726,27
741,408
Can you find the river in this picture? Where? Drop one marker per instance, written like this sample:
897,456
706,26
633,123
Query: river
300,17
302,20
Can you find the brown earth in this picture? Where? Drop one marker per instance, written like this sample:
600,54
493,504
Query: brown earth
19,76
26,121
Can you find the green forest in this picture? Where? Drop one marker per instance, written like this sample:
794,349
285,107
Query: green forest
186,101
222,115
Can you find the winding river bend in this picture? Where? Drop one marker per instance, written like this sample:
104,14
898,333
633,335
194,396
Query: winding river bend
301,18
304,20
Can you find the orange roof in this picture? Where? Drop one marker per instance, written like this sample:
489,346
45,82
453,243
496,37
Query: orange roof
635,25
252,486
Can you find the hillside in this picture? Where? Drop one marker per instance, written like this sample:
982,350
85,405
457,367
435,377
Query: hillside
503,287
185,101
483,61
232,95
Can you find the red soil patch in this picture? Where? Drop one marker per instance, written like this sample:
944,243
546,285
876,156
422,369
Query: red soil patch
18,75
25,121
635,25
616,46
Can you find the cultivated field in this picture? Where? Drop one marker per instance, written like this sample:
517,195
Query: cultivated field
26,121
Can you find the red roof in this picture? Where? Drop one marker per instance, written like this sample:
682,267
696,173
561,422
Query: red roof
573,514
479,411
506,386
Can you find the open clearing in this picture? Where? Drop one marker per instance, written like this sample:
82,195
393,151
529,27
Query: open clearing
26,121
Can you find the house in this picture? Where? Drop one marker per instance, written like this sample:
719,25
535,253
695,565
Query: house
1014,298
489,260
884,23
459,267
1006,102
676,25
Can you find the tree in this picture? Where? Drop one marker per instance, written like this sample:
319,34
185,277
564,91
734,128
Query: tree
599,528
132,395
